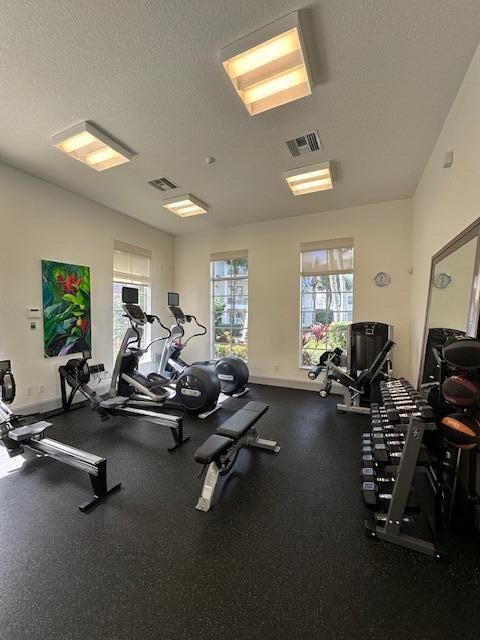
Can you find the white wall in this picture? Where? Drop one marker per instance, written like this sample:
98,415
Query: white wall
382,243
446,200
41,221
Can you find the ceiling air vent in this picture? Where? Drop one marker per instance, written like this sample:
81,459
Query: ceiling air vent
304,144
163,184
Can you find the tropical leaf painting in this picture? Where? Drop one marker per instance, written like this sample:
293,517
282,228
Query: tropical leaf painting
66,308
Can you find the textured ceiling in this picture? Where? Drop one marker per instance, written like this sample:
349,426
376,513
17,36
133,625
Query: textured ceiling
385,75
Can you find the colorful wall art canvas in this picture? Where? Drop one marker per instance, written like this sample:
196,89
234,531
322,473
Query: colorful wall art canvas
66,308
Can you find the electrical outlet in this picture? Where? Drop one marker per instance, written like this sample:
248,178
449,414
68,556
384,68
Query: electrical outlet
41,388
275,367
28,390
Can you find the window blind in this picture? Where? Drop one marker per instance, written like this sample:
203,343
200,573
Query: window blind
327,257
131,264
229,255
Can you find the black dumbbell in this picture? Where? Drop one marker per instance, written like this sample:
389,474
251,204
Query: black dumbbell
374,497
369,474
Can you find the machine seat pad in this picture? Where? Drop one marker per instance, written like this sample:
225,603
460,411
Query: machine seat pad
346,380
212,447
23,434
243,420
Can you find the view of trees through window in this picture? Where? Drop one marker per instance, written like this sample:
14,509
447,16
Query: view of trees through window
326,302
229,293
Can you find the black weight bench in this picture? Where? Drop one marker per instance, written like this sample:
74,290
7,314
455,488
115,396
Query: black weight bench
220,450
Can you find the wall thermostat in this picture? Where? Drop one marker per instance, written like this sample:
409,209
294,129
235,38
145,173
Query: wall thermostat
382,279
442,280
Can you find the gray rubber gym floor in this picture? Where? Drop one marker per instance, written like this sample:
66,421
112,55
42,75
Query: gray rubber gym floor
282,554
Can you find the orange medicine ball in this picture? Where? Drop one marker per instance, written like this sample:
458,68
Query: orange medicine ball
461,431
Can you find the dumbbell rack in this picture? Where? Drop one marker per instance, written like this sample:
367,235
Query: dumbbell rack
417,418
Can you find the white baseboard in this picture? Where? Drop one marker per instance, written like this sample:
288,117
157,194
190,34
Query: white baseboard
44,406
306,385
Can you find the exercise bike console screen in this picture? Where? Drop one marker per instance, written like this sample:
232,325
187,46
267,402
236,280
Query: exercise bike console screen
173,299
129,295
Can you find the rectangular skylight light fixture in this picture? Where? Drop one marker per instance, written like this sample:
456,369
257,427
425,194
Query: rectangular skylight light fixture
269,67
89,145
315,177
185,206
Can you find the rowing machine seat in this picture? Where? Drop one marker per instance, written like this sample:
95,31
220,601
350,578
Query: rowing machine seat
213,447
29,431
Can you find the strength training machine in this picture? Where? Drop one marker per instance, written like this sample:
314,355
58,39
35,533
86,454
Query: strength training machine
360,384
18,432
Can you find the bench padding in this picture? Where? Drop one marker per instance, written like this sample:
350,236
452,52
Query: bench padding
237,425
212,447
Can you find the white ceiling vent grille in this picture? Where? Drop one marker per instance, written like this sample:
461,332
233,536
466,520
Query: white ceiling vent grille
163,184
304,144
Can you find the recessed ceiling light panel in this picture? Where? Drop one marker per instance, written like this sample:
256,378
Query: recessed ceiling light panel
185,206
315,177
93,147
269,68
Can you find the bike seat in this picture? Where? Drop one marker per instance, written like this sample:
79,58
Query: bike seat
23,434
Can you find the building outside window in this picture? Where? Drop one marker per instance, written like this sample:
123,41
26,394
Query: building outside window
229,304
326,307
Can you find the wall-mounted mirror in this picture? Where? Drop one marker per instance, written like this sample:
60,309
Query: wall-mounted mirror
453,302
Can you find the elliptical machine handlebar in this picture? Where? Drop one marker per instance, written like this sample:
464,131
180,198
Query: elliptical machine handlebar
151,319
199,325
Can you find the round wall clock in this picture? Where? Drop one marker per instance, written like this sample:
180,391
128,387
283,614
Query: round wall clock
382,279
442,280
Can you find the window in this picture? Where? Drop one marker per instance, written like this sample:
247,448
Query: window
131,267
229,304
326,286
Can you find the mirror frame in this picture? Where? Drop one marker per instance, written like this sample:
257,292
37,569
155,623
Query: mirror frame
471,232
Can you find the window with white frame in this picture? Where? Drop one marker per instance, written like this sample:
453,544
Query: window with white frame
326,293
131,268
229,304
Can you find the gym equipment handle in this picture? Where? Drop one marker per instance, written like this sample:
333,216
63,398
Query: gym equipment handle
313,373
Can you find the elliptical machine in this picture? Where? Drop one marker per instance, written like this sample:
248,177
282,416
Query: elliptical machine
196,389
231,371
75,377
